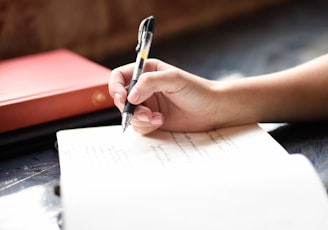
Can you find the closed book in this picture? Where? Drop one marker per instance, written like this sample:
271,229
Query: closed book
49,86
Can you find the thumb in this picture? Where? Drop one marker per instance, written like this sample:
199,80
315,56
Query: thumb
158,81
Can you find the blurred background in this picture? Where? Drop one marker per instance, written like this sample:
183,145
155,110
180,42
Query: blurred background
99,28
212,38
102,29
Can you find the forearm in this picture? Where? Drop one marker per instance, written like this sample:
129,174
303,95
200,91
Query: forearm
297,94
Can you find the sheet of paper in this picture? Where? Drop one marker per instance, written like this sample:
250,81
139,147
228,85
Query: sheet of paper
234,178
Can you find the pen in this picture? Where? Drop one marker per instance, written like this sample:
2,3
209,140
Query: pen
145,35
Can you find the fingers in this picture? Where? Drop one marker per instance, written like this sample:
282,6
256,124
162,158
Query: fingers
145,121
121,77
157,77
118,80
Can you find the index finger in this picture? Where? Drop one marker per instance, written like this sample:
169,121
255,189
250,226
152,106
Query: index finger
119,78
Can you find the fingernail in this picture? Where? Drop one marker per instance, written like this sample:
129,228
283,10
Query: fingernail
142,116
118,97
157,120
133,95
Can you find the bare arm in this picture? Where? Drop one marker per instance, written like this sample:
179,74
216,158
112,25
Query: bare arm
296,94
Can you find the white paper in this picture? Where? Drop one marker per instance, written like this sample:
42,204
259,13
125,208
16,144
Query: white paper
233,178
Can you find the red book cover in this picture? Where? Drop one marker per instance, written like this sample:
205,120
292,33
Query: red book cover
49,86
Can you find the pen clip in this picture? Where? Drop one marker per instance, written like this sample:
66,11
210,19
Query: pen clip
146,25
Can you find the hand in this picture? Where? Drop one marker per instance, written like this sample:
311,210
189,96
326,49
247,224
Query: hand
166,97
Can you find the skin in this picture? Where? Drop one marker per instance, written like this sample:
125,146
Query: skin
169,98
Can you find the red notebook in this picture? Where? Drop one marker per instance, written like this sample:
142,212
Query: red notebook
49,86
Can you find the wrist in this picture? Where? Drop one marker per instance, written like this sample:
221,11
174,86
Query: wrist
238,102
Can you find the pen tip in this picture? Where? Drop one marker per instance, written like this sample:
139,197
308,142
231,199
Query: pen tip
126,118
124,126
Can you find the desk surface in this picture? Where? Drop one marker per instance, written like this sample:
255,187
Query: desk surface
269,41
